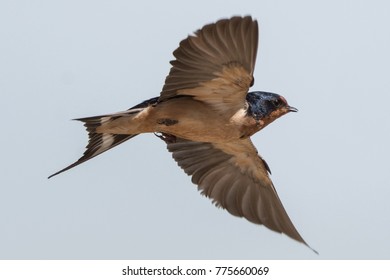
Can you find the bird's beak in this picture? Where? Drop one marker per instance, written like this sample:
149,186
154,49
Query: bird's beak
292,109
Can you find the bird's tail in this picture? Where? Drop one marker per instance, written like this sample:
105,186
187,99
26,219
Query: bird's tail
100,142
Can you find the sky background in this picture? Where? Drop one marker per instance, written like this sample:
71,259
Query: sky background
61,60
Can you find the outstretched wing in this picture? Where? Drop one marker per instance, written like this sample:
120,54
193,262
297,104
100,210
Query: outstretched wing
235,177
216,64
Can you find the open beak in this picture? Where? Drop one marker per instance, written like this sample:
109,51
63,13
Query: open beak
292,109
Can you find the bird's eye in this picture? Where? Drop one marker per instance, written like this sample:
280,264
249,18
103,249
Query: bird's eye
276,103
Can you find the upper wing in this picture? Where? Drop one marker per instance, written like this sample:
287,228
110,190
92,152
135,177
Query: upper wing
235,177
216,64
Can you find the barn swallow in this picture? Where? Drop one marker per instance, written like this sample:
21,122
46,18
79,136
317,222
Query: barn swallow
206,116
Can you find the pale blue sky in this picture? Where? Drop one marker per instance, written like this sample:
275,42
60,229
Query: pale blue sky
61,60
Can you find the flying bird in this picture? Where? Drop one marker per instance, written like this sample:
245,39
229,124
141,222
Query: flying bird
206,116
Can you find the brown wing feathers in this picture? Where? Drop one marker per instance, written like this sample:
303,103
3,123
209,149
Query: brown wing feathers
202,56
232,186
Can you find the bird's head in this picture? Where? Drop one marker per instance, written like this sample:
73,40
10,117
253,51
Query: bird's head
266,106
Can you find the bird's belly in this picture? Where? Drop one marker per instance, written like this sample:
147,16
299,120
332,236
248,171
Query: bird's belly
197,122
196,130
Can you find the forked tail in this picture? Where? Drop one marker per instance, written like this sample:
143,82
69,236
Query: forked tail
100,142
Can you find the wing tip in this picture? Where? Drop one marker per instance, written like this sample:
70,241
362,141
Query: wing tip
315,251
